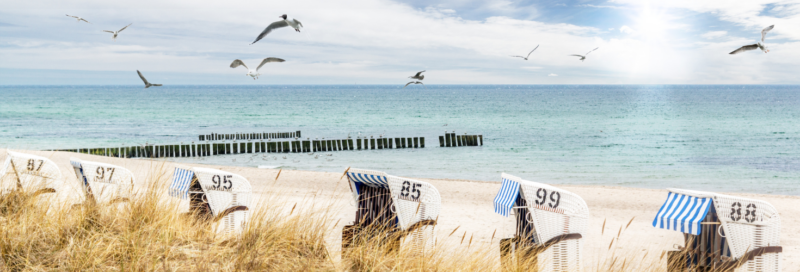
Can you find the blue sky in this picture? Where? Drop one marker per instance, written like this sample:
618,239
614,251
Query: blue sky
384,41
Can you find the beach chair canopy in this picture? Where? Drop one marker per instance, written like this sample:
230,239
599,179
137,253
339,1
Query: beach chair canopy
29,172
747,224
228,194
412,201
104,182
553,211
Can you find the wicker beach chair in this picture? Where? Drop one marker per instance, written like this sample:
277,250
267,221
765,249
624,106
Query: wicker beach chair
550,225
721,232
28,173
102,182
390,209
214,195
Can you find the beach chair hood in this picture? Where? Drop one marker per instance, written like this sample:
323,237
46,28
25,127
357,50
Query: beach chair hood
747,224
105,182
30,172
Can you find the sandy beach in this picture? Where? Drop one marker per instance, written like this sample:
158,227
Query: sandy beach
467,204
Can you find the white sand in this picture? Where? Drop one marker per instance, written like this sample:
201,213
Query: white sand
468,204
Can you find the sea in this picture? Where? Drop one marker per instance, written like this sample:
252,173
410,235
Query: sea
723,138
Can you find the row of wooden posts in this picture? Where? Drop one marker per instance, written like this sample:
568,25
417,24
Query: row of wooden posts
453,140
210,149
249,136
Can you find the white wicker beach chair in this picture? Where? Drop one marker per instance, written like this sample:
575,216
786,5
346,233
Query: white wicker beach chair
29,173
215,195
395,205
550,223
721,232
102,182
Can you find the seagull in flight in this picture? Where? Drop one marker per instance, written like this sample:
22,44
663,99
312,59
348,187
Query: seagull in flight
414,82
583,57
254,73
294,23
529,54
759,45
146,84
418,76
79,19
117,32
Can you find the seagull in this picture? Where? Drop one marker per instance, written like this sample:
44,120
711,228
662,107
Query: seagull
583,57
329,159
79,19
316,156
312,153
117,32
529,54
284,157
328,155
294,23
252,73
146,84
759,45
418,75
414,82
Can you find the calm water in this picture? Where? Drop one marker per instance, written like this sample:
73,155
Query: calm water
722,138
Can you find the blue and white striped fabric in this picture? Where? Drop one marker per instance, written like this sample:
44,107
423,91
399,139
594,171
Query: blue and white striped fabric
682,213
181,180
505,198
75,163
369,180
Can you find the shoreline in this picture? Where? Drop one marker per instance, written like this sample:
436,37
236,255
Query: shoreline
467,205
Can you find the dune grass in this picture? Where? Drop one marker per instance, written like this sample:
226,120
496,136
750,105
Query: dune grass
148,233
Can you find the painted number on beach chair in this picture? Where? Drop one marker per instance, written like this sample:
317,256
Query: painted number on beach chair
223,182
410,191
32,165
750,212
555,198
101,174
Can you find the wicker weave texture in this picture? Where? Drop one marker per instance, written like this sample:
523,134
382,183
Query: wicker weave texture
414,200
35,173
225,190
107,181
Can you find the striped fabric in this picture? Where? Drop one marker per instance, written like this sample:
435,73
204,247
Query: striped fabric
369,180
505,198
75,163
682,213
181,180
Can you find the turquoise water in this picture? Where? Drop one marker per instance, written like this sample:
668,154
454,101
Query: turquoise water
723,138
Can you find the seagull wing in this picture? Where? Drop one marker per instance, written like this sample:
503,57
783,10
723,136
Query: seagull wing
268,60
419,73
238,62
587,53
269,29
76,17
124,27
109,31
157,85
517,57
764,32
297,22
529,54
576,55
407,84
142,77
744,48
84,20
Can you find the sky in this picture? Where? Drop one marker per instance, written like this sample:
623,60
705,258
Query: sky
176,42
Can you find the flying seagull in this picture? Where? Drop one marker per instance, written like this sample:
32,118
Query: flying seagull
414,82
79,19
583,57
529,54
294,23
419,75
254,73
146,84
759,45
117,32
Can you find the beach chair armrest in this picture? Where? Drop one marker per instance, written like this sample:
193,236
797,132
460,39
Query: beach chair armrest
560,238
230,211
749,256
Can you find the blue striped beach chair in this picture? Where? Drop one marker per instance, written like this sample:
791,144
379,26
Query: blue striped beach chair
550,225
103,182
29,173
214,195
392,206
721,232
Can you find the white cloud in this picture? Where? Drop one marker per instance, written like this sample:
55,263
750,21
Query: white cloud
714,34
626,29
552,75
